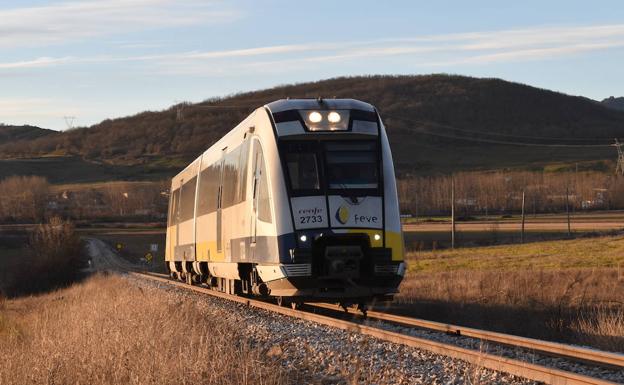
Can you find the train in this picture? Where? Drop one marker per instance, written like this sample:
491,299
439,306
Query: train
297,203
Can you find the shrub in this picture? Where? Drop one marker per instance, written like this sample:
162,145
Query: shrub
52,259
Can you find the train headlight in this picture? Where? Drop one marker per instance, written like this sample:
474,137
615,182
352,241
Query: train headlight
303,238
377,237
334,117
315,117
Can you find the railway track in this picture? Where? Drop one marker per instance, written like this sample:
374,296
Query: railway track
577,353
520,368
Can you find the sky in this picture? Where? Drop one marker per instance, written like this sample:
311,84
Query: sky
98,59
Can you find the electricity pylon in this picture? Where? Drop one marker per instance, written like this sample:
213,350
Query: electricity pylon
69,120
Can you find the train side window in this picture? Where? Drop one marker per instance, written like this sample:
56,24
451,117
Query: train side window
231,178
209,189
187,200
173,207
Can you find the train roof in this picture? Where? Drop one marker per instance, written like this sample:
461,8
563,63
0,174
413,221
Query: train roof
311,104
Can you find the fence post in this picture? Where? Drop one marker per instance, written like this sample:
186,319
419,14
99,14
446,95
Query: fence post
522,231
452,211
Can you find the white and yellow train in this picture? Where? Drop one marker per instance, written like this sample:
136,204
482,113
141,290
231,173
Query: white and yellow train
298,202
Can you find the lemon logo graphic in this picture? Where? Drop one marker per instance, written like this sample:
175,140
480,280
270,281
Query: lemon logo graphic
342,214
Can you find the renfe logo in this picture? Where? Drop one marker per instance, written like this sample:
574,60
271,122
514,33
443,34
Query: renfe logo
310,215
342,214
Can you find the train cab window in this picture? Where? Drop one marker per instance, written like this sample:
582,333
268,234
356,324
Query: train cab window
352,165
302,171
302,166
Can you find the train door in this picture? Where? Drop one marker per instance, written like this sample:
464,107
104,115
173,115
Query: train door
172,227
177,217
257,177
219,204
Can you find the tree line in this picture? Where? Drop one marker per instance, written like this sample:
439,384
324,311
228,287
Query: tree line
31,198
500,192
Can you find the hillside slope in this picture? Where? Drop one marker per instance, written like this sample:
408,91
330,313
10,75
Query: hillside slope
615,103
22,133
436,123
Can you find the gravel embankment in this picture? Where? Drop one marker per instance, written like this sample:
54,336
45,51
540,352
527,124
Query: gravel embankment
331,356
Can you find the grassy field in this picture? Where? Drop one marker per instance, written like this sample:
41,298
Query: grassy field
589,253
70,169
106,331
570,290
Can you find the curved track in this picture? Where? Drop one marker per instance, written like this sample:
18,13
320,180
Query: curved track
521,368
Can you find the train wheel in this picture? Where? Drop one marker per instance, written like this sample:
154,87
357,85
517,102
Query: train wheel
280,301
363,308
295,305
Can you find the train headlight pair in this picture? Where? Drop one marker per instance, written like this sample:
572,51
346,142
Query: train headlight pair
326,120
332,117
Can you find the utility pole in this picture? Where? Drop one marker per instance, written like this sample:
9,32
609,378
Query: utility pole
522,231
452,211
620,162
567,202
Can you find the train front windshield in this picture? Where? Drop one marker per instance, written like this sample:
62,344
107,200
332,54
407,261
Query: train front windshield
333,167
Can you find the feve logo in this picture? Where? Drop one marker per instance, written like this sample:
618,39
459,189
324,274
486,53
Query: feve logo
342,214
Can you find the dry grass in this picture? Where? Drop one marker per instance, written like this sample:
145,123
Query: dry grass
572,305
571,290
106,331
603,327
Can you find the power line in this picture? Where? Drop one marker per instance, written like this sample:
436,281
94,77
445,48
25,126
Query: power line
423,130
504,142
494,133
180,107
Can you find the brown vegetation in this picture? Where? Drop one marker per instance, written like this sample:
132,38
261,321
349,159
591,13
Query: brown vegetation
107,331
23,198
32,199
500,192
571,291
424,116
52,258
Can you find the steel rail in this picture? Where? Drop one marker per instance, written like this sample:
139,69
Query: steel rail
490,361
577,353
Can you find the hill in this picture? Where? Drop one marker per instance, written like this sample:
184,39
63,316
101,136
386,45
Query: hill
436,123
615,103
22,133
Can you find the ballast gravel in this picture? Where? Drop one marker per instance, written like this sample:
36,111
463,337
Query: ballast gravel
325,355
613,375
